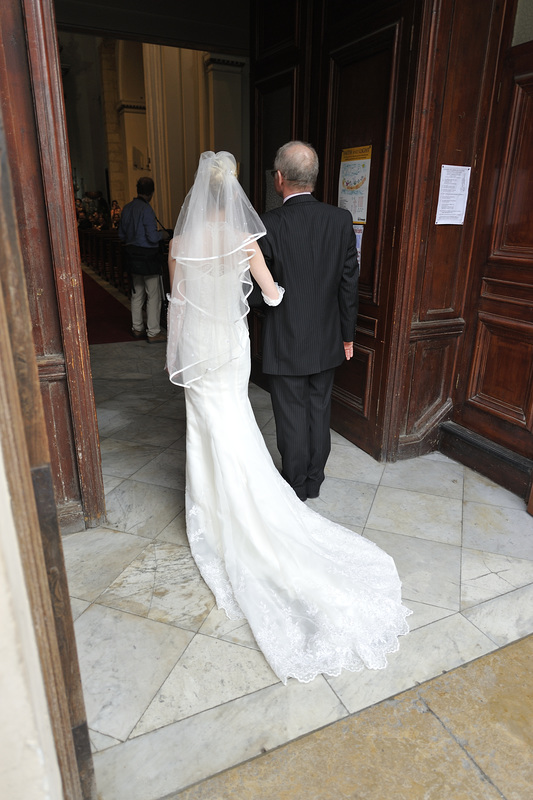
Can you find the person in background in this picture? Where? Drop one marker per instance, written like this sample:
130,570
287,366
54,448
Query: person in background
138,230
310,248
115,213
83,223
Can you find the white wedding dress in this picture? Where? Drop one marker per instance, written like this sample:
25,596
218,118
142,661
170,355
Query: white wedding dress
319,598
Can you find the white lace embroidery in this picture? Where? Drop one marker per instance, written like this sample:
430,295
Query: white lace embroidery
355,624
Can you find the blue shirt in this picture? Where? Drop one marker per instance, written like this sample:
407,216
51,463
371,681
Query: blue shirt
138,225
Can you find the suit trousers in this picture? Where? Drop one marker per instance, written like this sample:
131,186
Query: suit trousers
302,411
146,287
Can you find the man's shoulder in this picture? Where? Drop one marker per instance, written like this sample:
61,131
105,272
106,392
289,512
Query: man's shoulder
128,206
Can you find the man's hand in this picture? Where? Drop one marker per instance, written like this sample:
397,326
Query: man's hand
348,350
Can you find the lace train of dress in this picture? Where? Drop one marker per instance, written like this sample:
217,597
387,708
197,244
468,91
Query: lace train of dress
319,598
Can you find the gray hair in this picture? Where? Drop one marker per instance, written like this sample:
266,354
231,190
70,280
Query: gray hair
298,163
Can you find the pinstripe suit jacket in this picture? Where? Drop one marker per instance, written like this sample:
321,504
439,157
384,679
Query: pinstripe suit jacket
310,249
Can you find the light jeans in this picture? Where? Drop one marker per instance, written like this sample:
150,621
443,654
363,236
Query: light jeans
147,287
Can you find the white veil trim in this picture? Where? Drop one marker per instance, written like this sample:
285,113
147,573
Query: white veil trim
211,248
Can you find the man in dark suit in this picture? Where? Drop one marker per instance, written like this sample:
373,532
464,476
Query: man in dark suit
310,248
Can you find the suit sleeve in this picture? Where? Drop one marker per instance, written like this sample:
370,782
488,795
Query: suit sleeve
349,289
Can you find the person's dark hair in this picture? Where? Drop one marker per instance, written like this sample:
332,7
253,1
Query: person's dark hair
145,186
298,163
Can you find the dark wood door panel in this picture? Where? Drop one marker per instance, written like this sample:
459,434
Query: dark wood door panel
459,116
501,380
364,95
513,224
497,398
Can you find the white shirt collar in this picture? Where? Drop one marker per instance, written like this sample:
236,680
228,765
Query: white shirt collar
296,194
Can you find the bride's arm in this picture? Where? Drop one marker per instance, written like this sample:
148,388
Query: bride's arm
175,274
171,265
263,276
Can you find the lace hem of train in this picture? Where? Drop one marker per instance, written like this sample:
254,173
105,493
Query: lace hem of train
344,614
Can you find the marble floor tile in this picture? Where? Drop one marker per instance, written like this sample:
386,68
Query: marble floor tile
163,584
263,417
143,508
171,409
425,613
103,391
138,402
353,464
124,659
493,726
441,478
176,531
269,429
178,755
488,575
123,459
238,631
505,619
111,420
78,607
179,444
259,397
95,557
101,742
416,514
507,531
211,672
345,502
416,561
146,429
423,654
166,469
336,438
479,489
111,482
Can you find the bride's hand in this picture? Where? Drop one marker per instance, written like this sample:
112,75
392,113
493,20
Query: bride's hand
274,301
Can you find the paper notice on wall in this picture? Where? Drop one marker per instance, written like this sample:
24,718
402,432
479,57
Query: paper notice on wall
353,181
453,195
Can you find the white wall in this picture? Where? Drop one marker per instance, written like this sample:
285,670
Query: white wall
28,763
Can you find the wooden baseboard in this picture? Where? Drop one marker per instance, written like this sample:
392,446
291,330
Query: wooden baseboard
508,469
71,518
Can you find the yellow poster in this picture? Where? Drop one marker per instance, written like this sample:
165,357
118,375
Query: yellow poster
353,181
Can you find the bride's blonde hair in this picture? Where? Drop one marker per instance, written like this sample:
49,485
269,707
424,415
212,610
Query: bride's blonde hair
222,165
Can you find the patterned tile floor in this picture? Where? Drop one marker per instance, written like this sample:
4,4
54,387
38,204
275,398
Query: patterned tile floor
176,693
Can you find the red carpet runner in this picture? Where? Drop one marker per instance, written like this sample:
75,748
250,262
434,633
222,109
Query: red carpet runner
107,319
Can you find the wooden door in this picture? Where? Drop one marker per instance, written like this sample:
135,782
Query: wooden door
369,99
495,398
342,77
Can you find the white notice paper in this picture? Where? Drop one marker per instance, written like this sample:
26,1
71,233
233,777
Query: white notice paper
453,195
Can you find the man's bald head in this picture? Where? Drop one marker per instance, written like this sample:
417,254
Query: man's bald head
298,164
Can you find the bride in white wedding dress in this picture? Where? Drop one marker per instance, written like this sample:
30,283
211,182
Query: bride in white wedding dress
319,598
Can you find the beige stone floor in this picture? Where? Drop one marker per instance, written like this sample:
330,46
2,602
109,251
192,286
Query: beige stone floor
467,735
177,694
